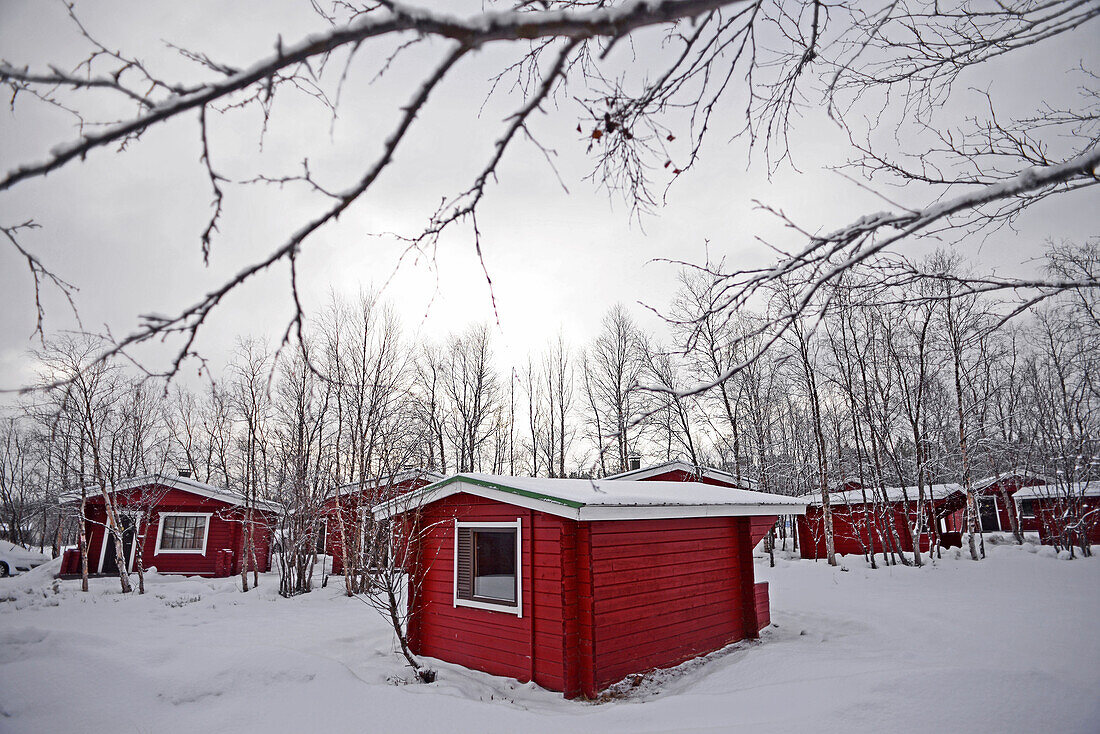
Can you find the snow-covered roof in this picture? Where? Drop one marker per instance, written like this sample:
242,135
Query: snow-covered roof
1059,491
185,484
891,494
390,480
677,465
1022,473
602,499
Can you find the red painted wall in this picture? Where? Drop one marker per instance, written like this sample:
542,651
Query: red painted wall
957,521
763,607
1053,516
496,642
850,526
348,512
528,647
225,531
665,591
679,475
601,600
1009,486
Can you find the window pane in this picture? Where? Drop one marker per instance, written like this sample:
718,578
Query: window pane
495,564
170,535
193,540
182,533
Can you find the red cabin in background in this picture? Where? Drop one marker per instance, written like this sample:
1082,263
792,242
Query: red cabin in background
859,524
351,500
576,583
1064,514
995,502
682,471
181,525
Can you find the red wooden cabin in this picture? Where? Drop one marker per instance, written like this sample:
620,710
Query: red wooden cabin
575,583
183,526
1063,513
682,471
995,501
350,501
860,525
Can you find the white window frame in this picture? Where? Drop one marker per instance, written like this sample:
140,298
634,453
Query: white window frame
517,608
1020,509
187,551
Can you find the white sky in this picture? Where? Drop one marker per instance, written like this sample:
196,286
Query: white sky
125,227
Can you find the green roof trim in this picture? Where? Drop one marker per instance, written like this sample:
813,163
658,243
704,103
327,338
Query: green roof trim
504,488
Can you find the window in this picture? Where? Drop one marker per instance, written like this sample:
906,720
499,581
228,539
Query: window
487,573
183,532
1027,508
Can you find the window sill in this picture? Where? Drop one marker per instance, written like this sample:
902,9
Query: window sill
169,552
487,606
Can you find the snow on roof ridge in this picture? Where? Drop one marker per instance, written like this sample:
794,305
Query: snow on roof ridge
601,499
395,478
1056,490
187,484
674,490
697,469
1013,472
892,494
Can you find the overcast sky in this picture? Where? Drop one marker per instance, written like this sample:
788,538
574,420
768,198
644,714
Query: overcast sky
125,227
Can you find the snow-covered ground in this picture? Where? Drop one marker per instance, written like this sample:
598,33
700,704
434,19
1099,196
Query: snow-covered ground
1011,644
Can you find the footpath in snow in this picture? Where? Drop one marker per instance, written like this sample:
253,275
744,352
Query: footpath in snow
1010,644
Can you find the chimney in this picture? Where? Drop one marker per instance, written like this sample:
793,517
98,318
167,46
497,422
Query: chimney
184,472
633,463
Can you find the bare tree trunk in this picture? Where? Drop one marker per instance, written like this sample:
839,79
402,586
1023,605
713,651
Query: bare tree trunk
82,539
252,552
345,551
971,501
1013,517
139,552
244,556
57,536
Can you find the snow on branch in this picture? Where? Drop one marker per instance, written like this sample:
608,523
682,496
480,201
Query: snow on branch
286,64
470,33
827,257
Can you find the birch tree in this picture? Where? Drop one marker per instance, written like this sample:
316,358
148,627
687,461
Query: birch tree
87,392
251,402
613,366
472,388
803,342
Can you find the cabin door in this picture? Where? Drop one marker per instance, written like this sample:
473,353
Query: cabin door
129,530
987,514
